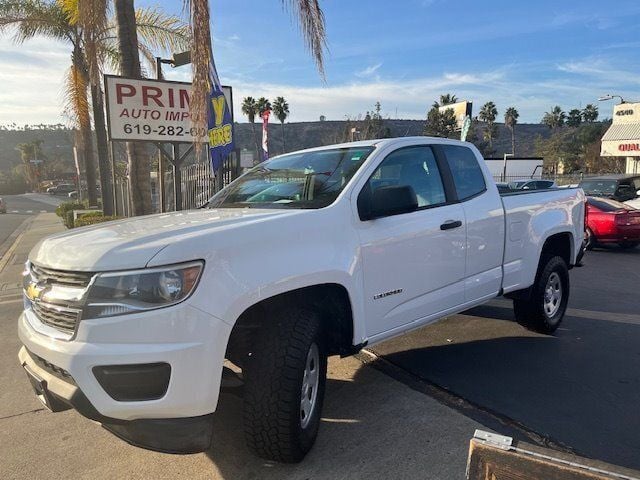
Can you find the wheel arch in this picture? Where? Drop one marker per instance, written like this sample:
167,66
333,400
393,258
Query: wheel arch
331,300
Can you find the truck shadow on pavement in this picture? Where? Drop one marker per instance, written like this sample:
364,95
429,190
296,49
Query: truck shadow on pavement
579,388
367,431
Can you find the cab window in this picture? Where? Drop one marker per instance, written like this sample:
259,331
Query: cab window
467,174
415,167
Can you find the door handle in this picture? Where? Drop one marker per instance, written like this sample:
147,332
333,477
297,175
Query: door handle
449,224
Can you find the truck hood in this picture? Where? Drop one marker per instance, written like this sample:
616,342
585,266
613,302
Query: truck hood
132,243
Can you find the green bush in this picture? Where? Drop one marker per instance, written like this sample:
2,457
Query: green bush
64,207
93,218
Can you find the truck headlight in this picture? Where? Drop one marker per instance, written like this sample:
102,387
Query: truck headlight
119,293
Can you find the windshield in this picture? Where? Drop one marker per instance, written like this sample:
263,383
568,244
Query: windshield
299,180
518,185
599,187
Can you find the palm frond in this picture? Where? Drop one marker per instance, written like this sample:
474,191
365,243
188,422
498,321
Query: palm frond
310,20
162,32
76,101
150,59
32,18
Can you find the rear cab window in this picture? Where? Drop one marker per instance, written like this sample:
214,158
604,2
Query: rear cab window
467,174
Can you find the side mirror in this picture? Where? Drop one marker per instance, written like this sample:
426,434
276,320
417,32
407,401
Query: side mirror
387,201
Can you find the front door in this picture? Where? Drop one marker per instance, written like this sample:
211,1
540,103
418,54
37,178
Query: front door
413,263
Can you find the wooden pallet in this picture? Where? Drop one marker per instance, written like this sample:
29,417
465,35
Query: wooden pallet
495,457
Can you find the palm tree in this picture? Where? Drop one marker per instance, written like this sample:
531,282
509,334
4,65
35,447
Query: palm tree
555,118
574,118
92,35
32,18
263,105
281,111
510,120
310,20
158,31
446,99
590,113
488,114
250,109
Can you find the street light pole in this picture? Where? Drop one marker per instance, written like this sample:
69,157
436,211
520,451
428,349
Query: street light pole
161,166
178,60
610,97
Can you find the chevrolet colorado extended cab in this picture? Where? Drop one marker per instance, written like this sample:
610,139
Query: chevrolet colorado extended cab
138,323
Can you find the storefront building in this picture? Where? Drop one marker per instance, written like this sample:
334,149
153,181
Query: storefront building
623,137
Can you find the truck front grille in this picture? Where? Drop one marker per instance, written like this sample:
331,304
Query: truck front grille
60,277
60,314
62,318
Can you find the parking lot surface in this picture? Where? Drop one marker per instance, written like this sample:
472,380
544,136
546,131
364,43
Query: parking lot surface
580,387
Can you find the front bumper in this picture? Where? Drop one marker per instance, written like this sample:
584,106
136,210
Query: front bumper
192,342
168,435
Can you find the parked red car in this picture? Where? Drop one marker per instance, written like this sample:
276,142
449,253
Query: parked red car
609,221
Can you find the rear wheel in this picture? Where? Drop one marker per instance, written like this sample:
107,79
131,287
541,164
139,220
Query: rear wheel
590,239
547,304
284,386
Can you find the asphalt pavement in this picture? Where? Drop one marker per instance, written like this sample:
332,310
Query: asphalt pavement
579,388
20,208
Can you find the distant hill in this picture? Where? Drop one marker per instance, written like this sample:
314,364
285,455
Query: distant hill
58,143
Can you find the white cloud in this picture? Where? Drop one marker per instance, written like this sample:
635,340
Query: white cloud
370,70
32,75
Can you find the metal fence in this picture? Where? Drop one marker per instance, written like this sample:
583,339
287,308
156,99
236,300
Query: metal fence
197,185
560,179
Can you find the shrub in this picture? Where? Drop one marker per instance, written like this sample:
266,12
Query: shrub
64,207
93,218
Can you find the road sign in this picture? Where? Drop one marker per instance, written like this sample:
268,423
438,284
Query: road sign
151,110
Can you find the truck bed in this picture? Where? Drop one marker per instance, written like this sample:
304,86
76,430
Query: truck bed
528,215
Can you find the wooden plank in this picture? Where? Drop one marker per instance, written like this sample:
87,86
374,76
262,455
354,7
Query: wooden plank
527,462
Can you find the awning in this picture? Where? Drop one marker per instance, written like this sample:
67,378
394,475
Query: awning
621,140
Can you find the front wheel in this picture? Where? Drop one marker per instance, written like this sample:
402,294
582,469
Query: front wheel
547,304
285,379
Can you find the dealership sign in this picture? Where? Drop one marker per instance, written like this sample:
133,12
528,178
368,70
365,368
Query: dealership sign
151,110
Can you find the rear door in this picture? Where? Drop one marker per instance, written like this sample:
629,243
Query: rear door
484,218
413,263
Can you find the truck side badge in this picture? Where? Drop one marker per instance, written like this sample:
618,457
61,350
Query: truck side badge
387,294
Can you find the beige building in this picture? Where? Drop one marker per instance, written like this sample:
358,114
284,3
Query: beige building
623,137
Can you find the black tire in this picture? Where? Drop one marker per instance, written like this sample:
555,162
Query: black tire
274,375
590,239
628,245
532,313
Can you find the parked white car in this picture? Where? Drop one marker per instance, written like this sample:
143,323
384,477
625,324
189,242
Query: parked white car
314,253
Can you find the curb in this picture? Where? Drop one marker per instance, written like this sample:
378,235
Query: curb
10,245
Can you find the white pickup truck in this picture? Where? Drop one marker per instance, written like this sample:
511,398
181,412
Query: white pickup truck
137,323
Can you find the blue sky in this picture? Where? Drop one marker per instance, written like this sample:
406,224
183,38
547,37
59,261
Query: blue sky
531,55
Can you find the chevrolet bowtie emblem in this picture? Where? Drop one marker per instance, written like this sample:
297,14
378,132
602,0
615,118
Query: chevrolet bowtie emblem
34,291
